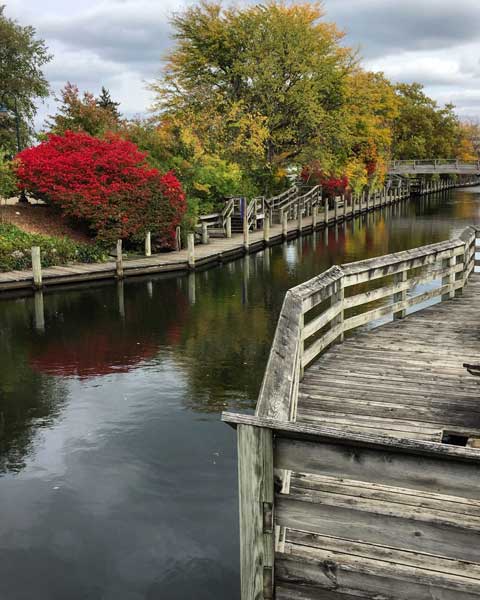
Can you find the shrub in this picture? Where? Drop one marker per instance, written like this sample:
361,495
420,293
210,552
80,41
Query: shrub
106,183
15,249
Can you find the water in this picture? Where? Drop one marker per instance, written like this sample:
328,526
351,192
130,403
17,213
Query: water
117,479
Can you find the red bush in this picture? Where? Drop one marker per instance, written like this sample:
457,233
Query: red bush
331,184
106,183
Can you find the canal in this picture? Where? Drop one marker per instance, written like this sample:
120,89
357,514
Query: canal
117,479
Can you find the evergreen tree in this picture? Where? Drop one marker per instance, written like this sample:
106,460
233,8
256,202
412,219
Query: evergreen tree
105,101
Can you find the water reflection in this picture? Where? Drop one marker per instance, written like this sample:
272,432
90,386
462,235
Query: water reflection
118,476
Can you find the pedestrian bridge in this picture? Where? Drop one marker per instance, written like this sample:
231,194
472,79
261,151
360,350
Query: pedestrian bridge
441,166
359,475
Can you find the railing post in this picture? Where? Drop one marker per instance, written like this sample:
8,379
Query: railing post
148,244
266,229
299,216
400,296
36,267
339,296
204,233
119,262
326,212
450,278
228,227
335,209
191,250
256,507
314,216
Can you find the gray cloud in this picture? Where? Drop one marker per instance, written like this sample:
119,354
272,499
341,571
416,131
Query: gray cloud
120,43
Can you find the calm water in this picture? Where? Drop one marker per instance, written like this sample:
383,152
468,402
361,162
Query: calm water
117,480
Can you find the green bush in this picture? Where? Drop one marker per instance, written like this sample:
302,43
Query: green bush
15,249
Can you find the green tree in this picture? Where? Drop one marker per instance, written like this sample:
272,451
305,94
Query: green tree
422,128
275,62
22,82
82,113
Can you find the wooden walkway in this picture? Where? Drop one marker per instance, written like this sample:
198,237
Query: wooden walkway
405,379
300,219
216,251
359,475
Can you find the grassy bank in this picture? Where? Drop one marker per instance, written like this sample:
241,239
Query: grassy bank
15,249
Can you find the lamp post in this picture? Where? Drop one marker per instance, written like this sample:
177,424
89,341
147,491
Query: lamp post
5,110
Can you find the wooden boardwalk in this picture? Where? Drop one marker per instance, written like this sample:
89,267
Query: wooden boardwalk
359,475
405,379
302,216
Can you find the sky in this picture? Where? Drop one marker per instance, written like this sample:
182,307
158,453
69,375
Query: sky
120,44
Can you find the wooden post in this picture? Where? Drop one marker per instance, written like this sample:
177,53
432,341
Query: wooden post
148,244
204,233
228,227
326,212
256,507
400,296
450,278
314,216
284,225
339,296
266,229
119,260
191,250
36,267
335,208
299,216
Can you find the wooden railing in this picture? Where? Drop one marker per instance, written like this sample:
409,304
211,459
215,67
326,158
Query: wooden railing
272,447
438,165
319,312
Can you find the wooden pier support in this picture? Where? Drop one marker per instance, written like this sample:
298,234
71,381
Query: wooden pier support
256,495
284,225
119,261
228,227
148,244
191,250
36,267
204,233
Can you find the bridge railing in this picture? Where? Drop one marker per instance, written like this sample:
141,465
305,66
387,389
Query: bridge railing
438,164
321,311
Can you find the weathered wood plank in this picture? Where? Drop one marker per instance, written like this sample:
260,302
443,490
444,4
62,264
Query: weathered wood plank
256,498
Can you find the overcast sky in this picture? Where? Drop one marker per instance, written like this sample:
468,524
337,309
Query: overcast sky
119,44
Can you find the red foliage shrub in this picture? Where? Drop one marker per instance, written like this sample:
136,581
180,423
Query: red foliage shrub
331,184
106,183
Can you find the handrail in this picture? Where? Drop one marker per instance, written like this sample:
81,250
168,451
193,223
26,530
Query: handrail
433,165
318,312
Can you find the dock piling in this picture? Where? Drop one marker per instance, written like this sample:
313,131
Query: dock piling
36,267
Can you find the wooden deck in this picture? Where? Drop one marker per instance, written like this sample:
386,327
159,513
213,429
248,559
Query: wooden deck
359,475
403,379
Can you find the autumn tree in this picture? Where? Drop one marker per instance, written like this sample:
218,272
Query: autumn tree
22,82
275,63
78,112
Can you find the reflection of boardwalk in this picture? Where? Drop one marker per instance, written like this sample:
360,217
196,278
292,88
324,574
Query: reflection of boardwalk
359,475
